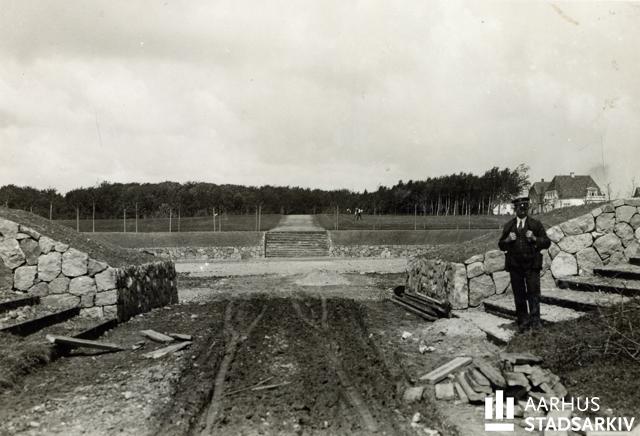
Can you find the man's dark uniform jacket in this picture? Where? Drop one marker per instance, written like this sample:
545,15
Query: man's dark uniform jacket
521,253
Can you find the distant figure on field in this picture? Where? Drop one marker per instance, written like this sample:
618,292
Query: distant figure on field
358,214
522,238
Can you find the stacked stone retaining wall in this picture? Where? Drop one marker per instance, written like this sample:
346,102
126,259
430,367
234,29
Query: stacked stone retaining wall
64,277
609,234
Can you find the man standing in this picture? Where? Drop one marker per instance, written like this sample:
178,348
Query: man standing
522,238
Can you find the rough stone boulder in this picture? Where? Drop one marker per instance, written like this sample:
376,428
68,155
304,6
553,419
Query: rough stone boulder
106,280
82,286
475,269
493,261
563,265
576,226
624,231
607,245
10,253
605,222
502,280
59,285
49,266
24,277
480,288
575,243
635,221
8,229
588,259
31,250
74,263
555,234
624,213
455,281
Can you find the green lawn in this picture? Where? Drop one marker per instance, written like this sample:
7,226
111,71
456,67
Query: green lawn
409,222
197,224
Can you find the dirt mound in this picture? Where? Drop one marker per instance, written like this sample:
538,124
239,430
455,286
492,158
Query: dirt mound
322,278
95,248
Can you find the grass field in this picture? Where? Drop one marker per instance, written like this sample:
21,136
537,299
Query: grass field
409,222
182,239
226,223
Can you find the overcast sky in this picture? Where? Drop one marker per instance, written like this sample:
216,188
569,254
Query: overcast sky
329,94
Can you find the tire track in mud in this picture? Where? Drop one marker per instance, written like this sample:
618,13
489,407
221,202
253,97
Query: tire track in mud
287,366
351,393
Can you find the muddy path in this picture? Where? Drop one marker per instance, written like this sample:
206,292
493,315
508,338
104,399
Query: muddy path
288,366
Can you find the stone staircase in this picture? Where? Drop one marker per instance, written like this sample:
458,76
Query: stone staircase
571,299
25,316
296,244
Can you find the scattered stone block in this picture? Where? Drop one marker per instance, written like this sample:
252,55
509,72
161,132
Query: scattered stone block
516,379
411,395
445,390
563,265
481,389
46,244
520,358
31,250
473,396
460,392
525,369
24,277
492,373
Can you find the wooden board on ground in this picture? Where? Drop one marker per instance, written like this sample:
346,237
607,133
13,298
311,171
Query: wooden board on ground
460,392
520,358
443,371
472,395
74,342
181,336
156,336
492,373
167,350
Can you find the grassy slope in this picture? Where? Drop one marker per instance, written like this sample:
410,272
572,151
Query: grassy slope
97,249
489,241
573,350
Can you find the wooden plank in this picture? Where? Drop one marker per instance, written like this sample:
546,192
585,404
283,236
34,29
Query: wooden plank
413,310
520,358
443,371
463,397
492,373
181,336
475,386
478,378
473,396
74,342
167,350
156,336
516,379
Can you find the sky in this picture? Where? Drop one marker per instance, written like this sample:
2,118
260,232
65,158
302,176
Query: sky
321,94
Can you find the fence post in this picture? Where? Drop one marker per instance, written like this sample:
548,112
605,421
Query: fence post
178,219
93,218
213,213
77,219
169,220
415,217
50,210
136,217
124,220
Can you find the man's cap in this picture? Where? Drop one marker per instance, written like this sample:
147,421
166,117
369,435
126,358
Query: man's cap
521,197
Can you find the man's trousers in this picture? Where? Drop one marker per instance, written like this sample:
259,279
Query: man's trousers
526,292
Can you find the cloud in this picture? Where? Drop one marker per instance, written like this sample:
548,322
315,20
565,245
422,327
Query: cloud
327,94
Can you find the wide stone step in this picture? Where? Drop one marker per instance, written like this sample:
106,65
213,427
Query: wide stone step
580,300
497,329
604,284
625,271
27,327
634,260
506,307
14,303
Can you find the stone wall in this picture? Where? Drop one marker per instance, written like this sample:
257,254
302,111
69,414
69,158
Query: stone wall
143,287
62,276
207,253
610,234
381,251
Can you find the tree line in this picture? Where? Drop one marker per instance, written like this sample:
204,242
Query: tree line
454,194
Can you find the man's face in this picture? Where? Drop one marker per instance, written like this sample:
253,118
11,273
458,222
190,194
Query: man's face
522,209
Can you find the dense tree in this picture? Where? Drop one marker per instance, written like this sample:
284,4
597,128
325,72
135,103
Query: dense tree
454,194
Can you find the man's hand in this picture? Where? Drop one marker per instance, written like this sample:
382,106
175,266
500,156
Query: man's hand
530,236
512,237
